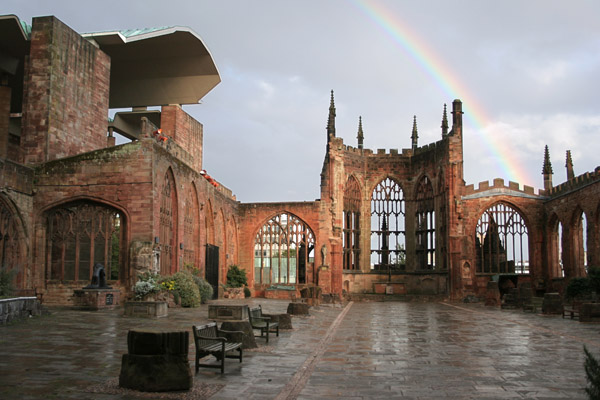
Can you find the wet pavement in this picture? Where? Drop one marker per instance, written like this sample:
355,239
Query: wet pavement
370,350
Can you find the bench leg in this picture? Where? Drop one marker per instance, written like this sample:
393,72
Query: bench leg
268,329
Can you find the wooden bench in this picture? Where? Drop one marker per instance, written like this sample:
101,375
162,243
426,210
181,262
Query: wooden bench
258,321
208,342
571,310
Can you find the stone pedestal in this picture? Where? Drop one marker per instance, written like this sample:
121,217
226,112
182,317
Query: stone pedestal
298,309
146,309
157,362
552,304
492,294
589,312
237,312
247,338
284,320
96,299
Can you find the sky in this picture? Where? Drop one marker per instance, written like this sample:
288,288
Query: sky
527,73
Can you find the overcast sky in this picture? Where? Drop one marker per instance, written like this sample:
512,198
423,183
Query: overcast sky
528,73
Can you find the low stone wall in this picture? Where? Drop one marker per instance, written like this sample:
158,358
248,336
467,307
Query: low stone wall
20,307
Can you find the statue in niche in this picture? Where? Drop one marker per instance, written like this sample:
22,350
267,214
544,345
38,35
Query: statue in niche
98,278
324,254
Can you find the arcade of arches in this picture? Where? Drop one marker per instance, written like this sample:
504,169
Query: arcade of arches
400,220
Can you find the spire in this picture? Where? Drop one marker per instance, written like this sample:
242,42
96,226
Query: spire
331,119
569,165
444,122
415,135
547,170
360,136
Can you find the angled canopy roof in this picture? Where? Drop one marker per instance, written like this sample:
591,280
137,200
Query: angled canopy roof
150,67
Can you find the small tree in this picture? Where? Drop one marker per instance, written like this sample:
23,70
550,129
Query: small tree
592,375
578,288
236,277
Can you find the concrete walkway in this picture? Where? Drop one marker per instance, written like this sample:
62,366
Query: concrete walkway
375,350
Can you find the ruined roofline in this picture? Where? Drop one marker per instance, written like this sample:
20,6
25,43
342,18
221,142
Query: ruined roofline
577,182
338,141
498,188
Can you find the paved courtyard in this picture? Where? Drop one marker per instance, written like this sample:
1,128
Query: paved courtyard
371,350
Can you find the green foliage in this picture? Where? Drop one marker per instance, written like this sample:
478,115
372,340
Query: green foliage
579,288
185,289
594,275
6,282
146,284
592,375
247,292
204,288
236,277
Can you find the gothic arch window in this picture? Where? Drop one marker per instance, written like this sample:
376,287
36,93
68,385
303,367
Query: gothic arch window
10,243
501,240
442,220
555,247
579,240
81,234
387,226
351,230
283,251
168,222
191,228
425,225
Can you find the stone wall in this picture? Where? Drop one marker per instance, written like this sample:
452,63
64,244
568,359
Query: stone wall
18,308
66,97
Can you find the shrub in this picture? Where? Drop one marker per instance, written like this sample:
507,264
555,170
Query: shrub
247,292
186,290
594,275
592,375
236,277
204,288
6,282
578,288
146,284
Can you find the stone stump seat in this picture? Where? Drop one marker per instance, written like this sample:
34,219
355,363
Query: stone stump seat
156,361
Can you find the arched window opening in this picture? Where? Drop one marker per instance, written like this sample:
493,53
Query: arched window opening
351,230
442,228
283,251
10,245
502,241
80,235
580,244
425,225
559,271
387,227
168,208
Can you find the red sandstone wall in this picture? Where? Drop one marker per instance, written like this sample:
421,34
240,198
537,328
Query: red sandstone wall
185,131
66,102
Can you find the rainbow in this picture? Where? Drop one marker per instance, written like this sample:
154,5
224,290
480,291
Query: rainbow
424,57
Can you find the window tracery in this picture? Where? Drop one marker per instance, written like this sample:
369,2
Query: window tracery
283,251
387,226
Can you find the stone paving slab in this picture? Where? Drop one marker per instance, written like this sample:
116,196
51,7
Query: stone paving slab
371,350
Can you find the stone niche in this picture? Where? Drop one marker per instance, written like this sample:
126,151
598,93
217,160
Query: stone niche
156,361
